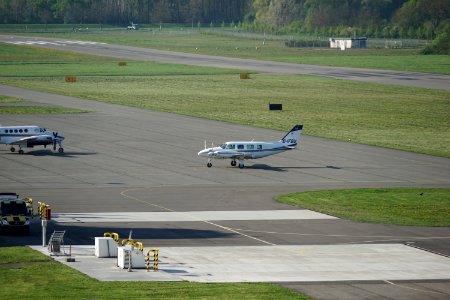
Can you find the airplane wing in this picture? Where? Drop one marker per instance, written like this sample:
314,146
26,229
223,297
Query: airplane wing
25,140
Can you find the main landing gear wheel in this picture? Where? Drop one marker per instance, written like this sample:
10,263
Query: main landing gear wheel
21,151
209,165
61,150
233,163
12,149
241,164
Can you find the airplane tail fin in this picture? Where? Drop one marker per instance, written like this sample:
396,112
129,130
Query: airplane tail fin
292,137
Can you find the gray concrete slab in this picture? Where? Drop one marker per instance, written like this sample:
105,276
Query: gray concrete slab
188,216
273,264
104,269
426,80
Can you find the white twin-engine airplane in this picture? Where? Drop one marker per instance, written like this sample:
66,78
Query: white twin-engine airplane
29,136
252,149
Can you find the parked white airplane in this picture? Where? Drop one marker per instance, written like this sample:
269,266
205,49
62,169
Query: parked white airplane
251,149
29,136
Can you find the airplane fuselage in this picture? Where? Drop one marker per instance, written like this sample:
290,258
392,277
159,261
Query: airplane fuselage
29,136
245,150
11,134
241,150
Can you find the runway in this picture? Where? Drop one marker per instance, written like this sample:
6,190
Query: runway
416,79
121,159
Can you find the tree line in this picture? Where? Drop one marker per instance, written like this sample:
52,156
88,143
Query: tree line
122,12
371,18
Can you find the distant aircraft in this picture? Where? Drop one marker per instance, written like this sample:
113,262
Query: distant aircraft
29,136
133,26
251,149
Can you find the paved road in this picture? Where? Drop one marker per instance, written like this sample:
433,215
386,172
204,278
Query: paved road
425,80
125,159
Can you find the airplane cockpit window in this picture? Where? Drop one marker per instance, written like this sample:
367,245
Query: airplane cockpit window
259,147
231,146
223,146
240,147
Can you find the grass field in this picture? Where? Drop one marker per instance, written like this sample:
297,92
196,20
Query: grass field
8,100
244,46
400,206
406,118
38,110
390,116
34,61
31,109
28,274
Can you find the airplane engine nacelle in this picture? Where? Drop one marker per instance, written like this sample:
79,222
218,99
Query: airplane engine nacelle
224,154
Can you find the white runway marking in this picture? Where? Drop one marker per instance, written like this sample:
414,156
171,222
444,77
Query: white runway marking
56,43
188,216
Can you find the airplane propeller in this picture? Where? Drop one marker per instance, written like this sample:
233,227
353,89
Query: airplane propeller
212,144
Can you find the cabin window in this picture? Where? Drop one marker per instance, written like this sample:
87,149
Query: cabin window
240,147
250,147
259,147
26,130
231,146
15,130
20,130
6,130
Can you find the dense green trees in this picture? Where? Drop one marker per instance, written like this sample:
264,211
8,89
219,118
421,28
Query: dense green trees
372,18
121,12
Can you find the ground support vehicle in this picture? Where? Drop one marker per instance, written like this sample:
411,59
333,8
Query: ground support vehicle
15,213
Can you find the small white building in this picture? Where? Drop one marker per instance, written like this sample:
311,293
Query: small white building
344,43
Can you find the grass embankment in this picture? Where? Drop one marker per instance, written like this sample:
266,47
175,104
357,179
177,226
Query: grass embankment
31,109
400,206
258,47
28,274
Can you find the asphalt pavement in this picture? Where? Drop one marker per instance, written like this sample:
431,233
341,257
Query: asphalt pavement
127,160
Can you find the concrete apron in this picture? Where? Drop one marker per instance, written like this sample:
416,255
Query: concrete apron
308,263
